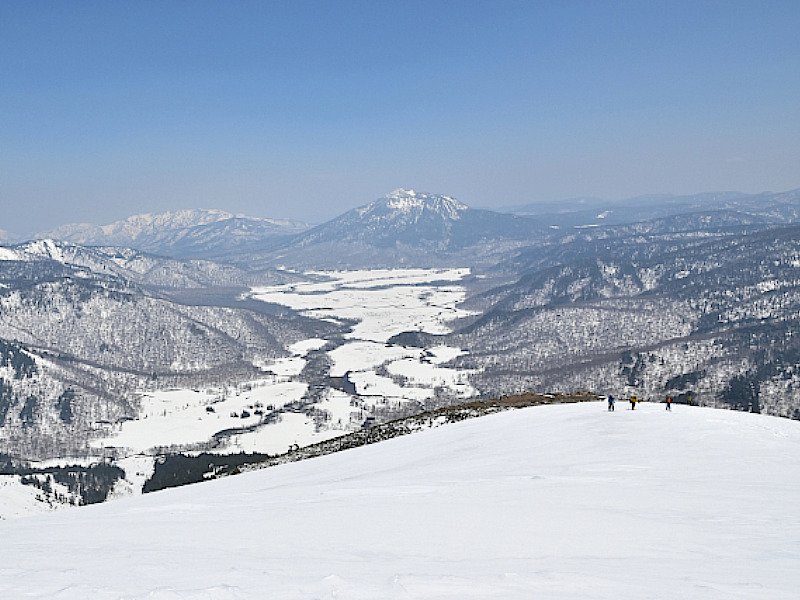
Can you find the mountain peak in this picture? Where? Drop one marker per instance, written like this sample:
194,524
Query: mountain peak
403,200
402,193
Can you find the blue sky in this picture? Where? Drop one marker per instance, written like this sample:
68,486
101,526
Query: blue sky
306,109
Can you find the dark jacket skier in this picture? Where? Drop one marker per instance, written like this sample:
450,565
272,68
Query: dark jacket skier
610,402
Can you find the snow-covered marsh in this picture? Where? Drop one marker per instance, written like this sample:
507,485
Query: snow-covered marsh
185,417
385,302
568,502
380,303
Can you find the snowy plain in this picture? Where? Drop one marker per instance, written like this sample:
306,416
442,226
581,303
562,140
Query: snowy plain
566,501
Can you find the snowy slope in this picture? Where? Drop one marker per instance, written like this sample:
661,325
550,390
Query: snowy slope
567,502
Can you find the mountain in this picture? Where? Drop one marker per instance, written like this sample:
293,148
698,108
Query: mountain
195,233
407,228
782,207
110,352
712,319
83,332
565,501
134,266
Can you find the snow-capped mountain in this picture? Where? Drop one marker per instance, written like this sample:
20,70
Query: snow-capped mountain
404,216
568,502
141,228
407,228
182,233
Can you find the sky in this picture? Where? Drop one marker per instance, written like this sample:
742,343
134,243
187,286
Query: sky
305,109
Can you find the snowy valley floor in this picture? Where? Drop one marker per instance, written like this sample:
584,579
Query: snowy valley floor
565,502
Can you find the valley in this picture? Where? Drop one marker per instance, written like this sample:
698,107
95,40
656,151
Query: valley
279,410
114,359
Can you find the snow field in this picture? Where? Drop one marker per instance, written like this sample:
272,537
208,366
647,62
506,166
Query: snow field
297,429
182,417
431,375
568,502
385,302
370,384
365,356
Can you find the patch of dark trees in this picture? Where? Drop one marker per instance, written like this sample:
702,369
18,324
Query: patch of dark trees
11,355
6,399
777,357
174,470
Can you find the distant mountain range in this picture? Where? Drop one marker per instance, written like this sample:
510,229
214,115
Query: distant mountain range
409,228
192,233
405,227
782,207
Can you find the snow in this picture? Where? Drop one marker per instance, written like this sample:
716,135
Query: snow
362,356
303,347
381,303
369,383
429,375
8,254
287,367
297,429
182,416
568,502
407,200
138,469
19,500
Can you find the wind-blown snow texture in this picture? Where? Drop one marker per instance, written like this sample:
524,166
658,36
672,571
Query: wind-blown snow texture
560,502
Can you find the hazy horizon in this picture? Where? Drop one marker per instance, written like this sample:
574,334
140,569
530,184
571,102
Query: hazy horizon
304,110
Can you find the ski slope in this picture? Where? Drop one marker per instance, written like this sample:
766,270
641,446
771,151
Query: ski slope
567,502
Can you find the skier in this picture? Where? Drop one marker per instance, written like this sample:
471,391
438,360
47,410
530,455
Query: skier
669,403
610,402
634,400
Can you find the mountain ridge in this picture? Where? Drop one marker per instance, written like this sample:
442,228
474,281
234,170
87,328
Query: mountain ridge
184,233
